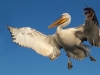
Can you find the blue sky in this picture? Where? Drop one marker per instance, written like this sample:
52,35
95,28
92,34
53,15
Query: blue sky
39,14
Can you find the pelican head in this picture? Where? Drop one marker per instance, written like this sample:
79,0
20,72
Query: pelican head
64,20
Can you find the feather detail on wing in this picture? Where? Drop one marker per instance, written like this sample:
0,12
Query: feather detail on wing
31,38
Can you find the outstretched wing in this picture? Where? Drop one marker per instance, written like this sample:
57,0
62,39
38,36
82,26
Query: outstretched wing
31,38
91,27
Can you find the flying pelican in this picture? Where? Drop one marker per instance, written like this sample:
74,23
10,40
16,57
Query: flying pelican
71,38
49,46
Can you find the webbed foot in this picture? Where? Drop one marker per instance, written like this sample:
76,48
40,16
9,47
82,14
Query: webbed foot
70,65
92,59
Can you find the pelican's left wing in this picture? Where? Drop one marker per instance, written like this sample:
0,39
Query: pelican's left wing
91,27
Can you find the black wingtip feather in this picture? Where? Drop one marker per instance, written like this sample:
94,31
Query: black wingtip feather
90,14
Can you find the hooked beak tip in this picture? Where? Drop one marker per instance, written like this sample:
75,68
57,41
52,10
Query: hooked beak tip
48,26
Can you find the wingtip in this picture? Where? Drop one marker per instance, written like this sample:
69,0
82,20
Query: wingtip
7,26
88,12
86,5
87,8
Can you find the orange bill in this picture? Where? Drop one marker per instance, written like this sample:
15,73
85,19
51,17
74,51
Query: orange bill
59,21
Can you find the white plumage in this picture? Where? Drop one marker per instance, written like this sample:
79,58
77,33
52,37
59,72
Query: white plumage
39,42
71,39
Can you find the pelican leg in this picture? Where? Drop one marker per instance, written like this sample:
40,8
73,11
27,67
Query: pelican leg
69,64
87,53
92,59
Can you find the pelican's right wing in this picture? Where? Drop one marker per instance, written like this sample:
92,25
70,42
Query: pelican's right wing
31,38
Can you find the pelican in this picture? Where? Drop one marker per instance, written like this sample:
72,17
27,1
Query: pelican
49,45
71,39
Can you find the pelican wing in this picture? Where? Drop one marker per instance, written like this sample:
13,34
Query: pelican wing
91,27
31,38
